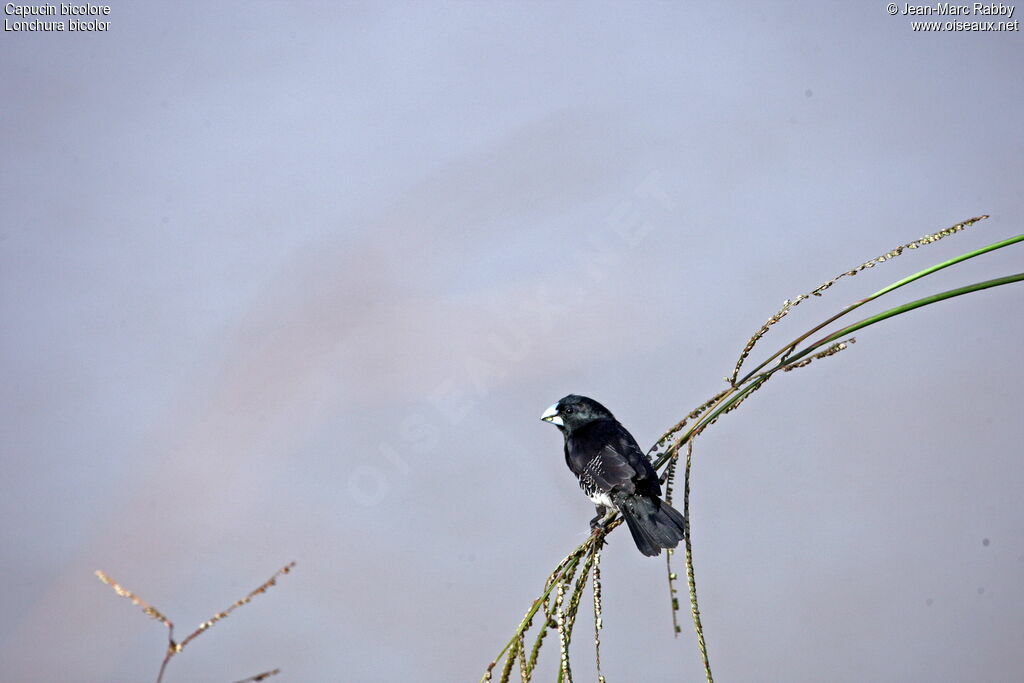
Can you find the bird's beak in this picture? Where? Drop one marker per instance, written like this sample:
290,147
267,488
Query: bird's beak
551,415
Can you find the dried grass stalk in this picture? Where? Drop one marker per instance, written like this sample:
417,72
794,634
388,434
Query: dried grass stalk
174,647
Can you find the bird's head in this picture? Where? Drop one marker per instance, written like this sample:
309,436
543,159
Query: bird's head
575,411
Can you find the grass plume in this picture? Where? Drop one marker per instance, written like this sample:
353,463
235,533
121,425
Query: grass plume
665,452
174,647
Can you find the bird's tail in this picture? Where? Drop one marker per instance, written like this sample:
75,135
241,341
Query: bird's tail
654,523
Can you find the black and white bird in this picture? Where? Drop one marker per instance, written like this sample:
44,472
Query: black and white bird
615,473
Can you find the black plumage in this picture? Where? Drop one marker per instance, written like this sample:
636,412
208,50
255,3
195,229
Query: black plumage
615,473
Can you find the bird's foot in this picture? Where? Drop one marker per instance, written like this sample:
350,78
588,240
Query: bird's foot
599,524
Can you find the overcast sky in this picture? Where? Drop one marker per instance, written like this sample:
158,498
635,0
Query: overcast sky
294,281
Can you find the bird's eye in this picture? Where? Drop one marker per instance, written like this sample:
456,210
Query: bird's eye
568,411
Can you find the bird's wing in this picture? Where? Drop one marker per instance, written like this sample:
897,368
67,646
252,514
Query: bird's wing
609,470
645,478
607,458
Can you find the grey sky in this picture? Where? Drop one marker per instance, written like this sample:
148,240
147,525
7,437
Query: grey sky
285,281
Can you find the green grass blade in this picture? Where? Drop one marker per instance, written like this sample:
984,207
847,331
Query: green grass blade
885,290
947,264
935,298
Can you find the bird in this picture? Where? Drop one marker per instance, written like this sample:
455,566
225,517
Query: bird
615,474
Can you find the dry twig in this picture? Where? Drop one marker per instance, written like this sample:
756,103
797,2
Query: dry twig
174,647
